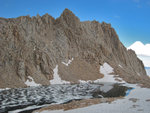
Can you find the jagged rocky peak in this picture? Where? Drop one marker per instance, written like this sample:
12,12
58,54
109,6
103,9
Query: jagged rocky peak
67,14
68,18
39,47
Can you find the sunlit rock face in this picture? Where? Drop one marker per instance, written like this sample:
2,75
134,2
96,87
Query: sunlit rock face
34,46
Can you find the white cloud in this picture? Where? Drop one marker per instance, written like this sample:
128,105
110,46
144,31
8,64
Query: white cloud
142,51
148,3
117,16
148,71
140,48
136,1
145,59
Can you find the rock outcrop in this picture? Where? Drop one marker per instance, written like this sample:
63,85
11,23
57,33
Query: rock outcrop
33,46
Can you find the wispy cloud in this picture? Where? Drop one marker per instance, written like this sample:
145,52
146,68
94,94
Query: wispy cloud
117,16
136,1
139,6
6,5
148,3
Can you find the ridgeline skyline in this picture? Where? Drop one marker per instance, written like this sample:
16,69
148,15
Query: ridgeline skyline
130,18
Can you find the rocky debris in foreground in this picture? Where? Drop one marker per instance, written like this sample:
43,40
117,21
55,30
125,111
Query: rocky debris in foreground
77,104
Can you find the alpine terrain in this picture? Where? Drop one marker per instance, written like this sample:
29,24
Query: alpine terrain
63,64
32,47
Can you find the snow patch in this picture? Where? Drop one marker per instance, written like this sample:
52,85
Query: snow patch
57,79
138,74
69,62
30,82
106,69
29,108
108,78
84,82
106,87
4,89
120,66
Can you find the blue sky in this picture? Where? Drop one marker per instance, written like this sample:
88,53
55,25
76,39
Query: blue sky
130,18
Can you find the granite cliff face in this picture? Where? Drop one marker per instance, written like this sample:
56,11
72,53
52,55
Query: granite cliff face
33,46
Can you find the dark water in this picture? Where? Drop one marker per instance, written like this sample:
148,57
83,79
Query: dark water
23,97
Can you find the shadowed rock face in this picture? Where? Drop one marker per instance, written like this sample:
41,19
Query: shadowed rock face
33,46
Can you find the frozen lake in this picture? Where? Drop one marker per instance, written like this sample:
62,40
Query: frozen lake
21,98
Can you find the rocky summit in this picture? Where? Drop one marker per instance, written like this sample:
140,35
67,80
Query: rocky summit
39,47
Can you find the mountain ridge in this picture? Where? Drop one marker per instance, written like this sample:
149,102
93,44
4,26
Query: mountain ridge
33,46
